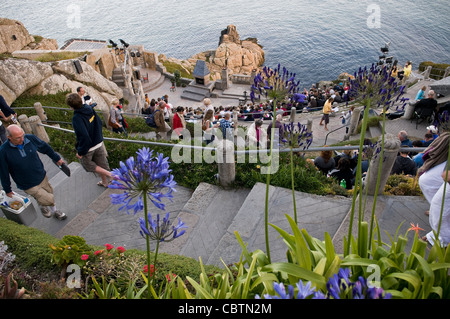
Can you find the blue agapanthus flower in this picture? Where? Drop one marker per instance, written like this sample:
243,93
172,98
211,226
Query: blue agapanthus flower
161,230
296,135
339,286
147,175
275,83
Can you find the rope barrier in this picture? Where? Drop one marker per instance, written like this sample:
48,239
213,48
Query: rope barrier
249,151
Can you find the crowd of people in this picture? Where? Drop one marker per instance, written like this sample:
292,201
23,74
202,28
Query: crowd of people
29,174
343,165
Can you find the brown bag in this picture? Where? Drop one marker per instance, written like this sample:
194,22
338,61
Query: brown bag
113,125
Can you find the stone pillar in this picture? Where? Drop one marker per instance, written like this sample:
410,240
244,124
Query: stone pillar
38,130
354,121
252,76
293,113
25,123
40,112
391,147
426,74
225,79
225,161
235,122
447,72
409,111
309,126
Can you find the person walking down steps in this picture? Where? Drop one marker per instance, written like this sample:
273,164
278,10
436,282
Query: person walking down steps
20,159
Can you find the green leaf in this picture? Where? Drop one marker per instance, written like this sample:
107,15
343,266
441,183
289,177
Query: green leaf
334,267
302,254
246,286
203,292
330,252
428,276
414,280
298,272
320,267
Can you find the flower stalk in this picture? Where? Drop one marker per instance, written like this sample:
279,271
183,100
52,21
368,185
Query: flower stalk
275,85
143,178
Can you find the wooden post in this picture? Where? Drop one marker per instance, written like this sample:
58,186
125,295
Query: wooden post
40,112
38,130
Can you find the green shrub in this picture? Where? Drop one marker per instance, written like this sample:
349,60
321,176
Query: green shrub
32,251
437,70
402,185
30,245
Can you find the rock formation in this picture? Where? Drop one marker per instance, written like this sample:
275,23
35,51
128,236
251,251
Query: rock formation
18,76
240,56
14,36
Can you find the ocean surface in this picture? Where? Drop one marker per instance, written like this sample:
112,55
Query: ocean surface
317,40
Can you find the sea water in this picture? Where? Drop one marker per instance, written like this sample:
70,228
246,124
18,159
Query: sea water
316,40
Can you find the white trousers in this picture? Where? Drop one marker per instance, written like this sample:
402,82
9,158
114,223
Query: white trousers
432,185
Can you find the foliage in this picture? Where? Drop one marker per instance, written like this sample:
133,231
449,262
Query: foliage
69,250
11,288
372,121
402,185
29,245
437,70
58,56
177,70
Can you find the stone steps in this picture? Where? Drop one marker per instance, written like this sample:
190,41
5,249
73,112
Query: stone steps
148,86
214,215
196,92
212,209
118,78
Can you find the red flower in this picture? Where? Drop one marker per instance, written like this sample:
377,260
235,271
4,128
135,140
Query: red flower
84,257
152,268
98,252
168,277
120,249
109,247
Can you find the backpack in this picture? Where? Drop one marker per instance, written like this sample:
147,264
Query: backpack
150,120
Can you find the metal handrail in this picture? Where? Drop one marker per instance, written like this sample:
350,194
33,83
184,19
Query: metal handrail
326,137
250,151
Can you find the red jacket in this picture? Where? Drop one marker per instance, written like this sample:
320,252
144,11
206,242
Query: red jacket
177,122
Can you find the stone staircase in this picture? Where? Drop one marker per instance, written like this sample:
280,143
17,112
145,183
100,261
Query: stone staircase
195,92
213,215
72,195
118,77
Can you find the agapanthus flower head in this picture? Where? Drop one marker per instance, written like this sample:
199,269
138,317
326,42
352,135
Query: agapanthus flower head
145,175
339,286
441,121
296,135
161,230
273,84
377,87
